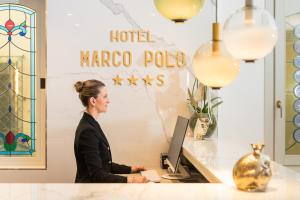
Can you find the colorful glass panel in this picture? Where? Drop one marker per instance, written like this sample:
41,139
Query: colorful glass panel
17,80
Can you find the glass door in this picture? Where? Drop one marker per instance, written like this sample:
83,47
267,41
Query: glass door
287,83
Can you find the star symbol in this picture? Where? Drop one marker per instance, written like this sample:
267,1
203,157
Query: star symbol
147,80
118,80
132,80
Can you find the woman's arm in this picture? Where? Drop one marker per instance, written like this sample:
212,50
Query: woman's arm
123,169
120,169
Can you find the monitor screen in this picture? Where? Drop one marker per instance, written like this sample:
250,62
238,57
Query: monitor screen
176,143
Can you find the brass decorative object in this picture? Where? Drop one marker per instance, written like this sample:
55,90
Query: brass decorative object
252,172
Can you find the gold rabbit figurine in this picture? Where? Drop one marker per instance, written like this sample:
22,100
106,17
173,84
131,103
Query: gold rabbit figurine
253,172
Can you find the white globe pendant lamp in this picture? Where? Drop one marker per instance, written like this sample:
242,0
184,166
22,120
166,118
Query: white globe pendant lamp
178,10
213,65
250,33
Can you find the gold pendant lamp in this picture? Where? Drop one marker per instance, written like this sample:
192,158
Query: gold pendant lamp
212,63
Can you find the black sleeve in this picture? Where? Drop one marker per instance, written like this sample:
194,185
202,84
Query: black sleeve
120,169
88,146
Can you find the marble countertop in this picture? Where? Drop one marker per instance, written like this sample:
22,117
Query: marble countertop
216,159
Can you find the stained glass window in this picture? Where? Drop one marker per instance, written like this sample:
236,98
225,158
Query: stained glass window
17,80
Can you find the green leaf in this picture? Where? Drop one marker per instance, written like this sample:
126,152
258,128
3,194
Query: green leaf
204,94
195,81
205,108
194,103
190,95
213,99
217,104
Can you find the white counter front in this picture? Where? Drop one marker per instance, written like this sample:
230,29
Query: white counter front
151,191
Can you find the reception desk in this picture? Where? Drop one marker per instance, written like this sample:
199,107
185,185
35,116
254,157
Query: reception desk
213,159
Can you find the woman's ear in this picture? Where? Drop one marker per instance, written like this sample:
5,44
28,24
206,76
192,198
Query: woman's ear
92,101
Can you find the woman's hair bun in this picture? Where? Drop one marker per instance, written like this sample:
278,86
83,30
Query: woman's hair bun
78,86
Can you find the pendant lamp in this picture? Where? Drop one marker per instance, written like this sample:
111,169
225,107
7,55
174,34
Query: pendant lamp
250,33
178,10
212,63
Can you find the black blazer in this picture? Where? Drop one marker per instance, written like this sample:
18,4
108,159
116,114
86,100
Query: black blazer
93,155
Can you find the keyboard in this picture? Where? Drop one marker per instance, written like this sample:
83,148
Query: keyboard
151,175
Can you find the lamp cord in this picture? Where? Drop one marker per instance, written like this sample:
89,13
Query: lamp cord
216,11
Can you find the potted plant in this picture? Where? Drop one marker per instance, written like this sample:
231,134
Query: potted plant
203,105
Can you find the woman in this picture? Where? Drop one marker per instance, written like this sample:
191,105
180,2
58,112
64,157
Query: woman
92,151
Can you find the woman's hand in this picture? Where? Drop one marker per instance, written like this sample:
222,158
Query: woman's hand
137,179
136,169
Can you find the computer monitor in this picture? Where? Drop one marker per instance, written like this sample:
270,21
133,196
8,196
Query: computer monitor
173,159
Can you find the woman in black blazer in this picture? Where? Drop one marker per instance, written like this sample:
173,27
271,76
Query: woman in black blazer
92,150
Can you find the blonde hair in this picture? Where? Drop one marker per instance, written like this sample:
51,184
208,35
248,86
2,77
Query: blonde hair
88,89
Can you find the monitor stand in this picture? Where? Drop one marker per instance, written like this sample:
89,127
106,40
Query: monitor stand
180,174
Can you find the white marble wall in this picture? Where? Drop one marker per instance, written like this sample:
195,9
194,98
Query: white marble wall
140,119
